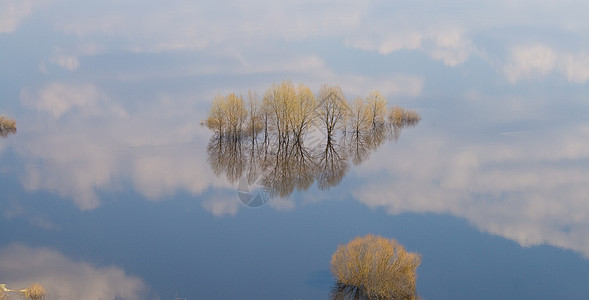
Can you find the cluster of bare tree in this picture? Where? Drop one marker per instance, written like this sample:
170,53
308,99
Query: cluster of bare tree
292,139
373,267
7,126
287,112
283,167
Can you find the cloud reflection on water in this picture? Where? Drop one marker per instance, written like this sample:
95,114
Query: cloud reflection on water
528,61
13,13
86,141
522,188
83,144
64,278
234,34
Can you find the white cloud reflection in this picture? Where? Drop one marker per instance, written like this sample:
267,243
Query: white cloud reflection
111,140
225,204
530,188
531,61
449,45
527,60
64,278
82,144
449,32
58,99
67,62
13,13
189,25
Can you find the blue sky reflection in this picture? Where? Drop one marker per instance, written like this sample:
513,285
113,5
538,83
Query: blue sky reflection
109,97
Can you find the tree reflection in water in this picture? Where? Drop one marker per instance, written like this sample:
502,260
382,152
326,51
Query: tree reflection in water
281,166
305,138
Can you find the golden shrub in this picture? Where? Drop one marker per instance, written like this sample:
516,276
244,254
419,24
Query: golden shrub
411,117
34,292
396,116
373,267
400,117
7,126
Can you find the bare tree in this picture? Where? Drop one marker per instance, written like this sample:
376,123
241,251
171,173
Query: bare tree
236,114
279,101
304,111
332,109
228,115
254,122
216,119
377,108
358,116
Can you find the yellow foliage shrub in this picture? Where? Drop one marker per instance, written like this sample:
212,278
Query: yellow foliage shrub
7,126
375,267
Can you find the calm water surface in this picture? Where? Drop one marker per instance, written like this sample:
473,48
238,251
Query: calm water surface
108,189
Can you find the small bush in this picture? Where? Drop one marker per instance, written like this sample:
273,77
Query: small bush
373,267
34,292
7,126
400,117
411,117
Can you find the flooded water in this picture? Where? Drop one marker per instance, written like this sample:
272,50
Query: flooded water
111,187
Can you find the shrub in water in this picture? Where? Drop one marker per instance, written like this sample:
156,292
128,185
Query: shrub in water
373,267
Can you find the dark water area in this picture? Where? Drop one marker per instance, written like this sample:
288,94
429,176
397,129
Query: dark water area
111,187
